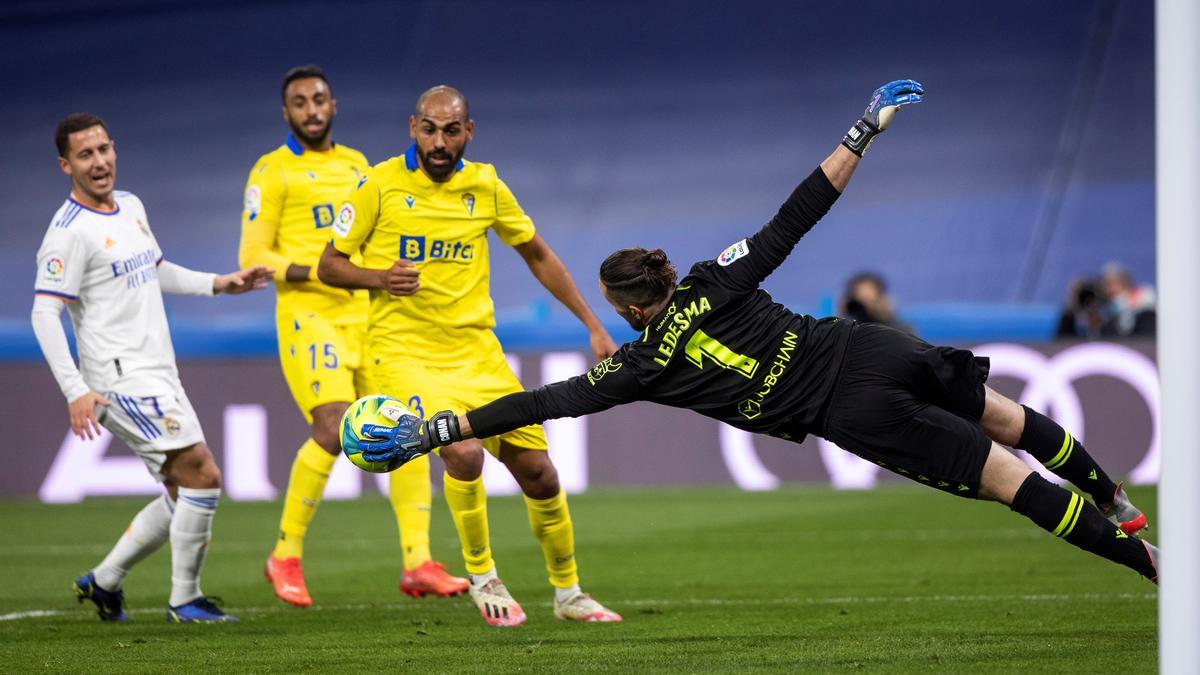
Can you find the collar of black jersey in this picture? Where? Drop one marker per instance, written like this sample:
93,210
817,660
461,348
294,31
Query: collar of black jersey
411,162
294,145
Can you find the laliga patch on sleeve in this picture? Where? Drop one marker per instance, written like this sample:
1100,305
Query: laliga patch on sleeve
54,271
253,202
735,251
344,220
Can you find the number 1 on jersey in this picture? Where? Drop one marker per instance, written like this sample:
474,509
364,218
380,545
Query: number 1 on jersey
702,344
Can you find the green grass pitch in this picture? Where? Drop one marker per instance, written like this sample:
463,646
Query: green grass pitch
900,579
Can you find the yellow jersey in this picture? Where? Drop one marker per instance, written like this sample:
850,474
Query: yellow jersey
289,210
397,211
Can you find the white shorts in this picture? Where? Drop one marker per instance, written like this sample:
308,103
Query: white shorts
153,416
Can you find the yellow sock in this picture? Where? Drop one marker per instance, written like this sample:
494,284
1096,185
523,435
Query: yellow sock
310,472
411,494
468,506
550,520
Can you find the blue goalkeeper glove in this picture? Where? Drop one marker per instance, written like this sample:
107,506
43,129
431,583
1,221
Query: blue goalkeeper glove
410,438
884,103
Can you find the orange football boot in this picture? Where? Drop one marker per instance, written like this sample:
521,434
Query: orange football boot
288,579
431,578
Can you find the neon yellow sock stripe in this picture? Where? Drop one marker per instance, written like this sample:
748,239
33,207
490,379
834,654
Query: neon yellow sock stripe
1069,518
1064,453
1075,518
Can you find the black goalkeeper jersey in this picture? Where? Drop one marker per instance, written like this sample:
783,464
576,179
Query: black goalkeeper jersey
721,347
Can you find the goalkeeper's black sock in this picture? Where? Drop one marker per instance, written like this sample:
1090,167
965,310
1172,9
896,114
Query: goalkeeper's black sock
1068,516
1063,454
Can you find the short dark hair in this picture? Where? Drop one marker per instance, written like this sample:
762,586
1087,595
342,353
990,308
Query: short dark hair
635,276
74,122
303,73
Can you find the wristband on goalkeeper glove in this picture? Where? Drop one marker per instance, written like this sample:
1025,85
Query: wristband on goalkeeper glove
441,429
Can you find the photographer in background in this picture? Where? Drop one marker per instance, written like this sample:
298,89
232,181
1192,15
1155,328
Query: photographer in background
1083,314
1130,311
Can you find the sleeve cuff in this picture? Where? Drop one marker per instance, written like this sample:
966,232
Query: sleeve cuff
54,294
522,238
74,391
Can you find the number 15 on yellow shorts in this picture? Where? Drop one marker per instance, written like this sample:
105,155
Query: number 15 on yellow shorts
321,361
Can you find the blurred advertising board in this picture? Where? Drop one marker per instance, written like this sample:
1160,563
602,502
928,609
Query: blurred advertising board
1106,393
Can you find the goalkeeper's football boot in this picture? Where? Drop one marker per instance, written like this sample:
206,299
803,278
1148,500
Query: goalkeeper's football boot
1123,513
111,604
496,605
581,607
286,575
431,578
200,610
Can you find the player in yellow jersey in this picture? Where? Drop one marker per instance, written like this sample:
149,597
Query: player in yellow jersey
290,203
420,221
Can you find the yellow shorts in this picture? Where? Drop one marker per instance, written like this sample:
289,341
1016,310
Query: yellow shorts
429,388
322,361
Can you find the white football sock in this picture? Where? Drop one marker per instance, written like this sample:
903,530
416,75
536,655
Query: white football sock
478,580
191,528
149,529
561,595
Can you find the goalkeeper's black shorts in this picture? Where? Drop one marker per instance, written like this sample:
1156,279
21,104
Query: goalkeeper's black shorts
911,408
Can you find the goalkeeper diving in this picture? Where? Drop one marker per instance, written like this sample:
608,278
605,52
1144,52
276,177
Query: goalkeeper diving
716,343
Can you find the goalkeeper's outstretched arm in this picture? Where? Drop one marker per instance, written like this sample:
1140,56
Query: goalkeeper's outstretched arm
813,198
600,389
573,397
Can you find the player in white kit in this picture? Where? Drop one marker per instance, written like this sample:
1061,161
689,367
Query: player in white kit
100,260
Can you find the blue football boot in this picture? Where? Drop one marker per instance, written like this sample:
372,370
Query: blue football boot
200,610
111,604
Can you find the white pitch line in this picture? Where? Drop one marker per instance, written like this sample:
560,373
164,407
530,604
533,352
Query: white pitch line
716,602
35,614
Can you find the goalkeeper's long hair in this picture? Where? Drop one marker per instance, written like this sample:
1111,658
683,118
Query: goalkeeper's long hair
635,276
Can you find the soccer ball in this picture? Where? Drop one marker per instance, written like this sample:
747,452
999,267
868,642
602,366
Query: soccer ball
374,409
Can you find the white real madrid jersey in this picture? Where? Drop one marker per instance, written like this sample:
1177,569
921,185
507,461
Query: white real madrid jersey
105,265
